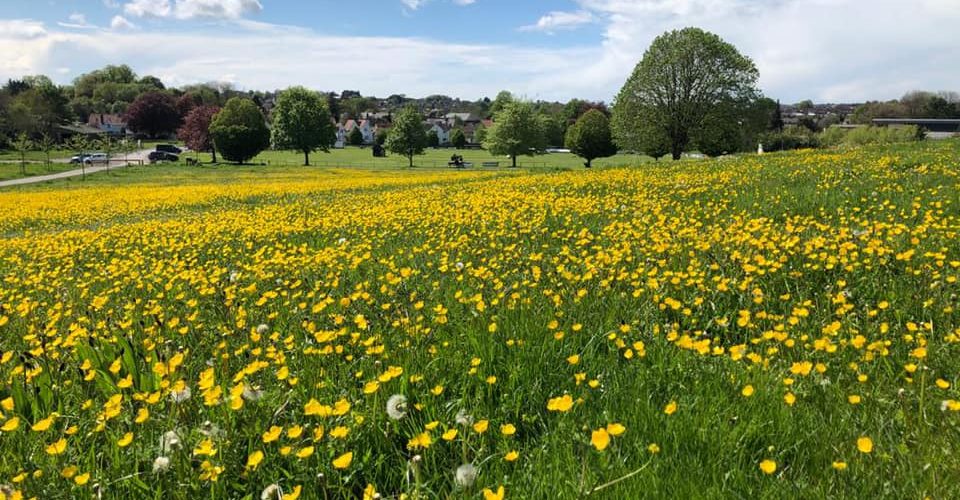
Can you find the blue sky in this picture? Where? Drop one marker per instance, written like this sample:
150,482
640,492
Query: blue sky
826,50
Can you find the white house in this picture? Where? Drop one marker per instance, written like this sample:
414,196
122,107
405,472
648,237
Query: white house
442,131
344,131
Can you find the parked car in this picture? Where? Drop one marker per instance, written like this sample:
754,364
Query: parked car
162,156
169,148
96,158
78,159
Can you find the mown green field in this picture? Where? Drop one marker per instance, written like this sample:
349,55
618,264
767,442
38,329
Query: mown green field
777,326
432,158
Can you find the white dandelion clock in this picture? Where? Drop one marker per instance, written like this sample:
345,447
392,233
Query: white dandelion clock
169,442
271,492
181,395
465,476
463,418
252,394
161,464
397,406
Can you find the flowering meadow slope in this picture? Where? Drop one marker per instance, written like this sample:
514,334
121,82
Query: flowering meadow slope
775,326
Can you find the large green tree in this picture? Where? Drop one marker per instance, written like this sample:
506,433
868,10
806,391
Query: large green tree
517,130
301,121
407,136
590,137
684,77
458,139
239,130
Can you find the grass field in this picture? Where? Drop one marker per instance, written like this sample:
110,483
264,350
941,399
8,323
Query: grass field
782,326
13,170
432,158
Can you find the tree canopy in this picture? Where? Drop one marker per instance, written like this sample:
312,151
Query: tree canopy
195,131
239,130
684,77
407,136
153,114
590,137
517,130
301,121
458,139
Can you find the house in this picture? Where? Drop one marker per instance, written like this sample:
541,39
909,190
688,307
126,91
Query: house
463,118
344,131
109,124
441,129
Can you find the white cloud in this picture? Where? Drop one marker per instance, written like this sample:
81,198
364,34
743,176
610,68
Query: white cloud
190,9
21,28
416,4
559,20
76,21
262,56
827,50
121,23
152,8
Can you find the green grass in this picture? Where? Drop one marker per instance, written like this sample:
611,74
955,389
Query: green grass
10,171
432,158
822,248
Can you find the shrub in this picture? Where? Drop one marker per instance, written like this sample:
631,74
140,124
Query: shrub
792,137
833,137
883,135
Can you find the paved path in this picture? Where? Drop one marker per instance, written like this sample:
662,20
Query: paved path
120,163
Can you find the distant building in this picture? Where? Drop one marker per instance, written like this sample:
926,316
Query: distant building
344,131
442,130
464,118
109,124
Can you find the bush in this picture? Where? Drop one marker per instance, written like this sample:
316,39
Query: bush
883,135
792,137
833,137
239,131
862,136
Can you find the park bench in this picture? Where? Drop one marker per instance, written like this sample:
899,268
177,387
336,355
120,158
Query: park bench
457,164
491,164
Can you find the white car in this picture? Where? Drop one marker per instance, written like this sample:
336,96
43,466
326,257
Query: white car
96,158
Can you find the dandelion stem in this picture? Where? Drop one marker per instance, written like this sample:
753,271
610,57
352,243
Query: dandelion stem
620,479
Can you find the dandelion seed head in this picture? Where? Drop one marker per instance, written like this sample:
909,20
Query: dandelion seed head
465,476
397,406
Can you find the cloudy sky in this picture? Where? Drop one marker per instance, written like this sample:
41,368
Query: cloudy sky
826,50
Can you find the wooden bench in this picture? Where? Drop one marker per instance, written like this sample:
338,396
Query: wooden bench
491,164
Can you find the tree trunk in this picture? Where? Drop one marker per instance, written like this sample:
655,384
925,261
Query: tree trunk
410,157
214,152
514,158
676,151
306,158
589,161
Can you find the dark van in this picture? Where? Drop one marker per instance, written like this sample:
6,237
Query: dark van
169,148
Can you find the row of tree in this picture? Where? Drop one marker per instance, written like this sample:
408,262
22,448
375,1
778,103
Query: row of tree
691,90
916,104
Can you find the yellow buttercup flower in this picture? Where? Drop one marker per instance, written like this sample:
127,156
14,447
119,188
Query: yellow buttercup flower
254,459
343,461
600,439
57,447
671,408
561,404
768,466
125,441
865,444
